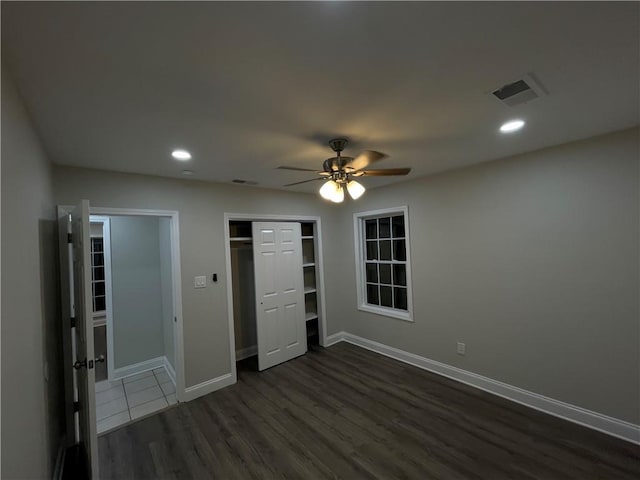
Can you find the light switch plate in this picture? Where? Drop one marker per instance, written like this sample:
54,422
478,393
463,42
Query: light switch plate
200,282
462,348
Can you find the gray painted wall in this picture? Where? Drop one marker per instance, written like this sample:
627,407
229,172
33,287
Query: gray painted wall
201,207
532,261
32,413
166,287
138,332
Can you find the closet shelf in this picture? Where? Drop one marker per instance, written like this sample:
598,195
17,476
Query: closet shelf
240,239
309,264
307,237
311,316
309,290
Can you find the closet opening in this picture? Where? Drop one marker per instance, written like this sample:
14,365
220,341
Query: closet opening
255,324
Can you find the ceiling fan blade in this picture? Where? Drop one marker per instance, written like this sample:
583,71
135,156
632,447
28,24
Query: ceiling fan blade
384,172
304,181
365,159
298,169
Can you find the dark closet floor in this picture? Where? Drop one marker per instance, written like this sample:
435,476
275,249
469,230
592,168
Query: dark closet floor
345,412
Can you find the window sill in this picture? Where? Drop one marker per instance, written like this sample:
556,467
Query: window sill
386,312
99,319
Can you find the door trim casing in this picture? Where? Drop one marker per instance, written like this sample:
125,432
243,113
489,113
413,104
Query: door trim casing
108,285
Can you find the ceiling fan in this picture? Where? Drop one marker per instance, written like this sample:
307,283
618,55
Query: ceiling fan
338,172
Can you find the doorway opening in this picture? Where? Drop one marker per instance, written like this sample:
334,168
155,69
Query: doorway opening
89,297
132,293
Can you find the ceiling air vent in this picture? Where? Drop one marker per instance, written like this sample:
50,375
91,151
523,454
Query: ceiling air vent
244,182
520,91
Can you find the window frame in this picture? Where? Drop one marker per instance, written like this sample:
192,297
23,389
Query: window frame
94,282
100,317
359,219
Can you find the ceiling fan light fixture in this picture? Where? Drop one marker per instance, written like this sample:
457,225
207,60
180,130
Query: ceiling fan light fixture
332,191
355,189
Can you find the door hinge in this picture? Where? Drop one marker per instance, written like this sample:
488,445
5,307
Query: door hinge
76,406
175,319
69,238
73,322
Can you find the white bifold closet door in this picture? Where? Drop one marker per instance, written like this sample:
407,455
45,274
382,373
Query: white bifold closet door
280,317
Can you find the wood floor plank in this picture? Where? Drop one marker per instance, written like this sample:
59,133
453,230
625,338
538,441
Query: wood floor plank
348,413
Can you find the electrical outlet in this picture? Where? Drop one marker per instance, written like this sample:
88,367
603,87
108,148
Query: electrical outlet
462,348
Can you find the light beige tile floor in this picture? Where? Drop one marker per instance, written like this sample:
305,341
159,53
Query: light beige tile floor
121,401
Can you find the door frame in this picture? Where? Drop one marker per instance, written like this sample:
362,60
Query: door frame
317,241
108,286
68,345
176,279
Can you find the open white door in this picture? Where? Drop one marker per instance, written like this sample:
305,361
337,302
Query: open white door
280,317
82,336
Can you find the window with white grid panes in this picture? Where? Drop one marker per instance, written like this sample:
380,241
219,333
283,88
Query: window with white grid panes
383,263
98,291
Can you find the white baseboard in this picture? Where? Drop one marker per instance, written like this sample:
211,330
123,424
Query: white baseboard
246,352
170,370
129,370
597,421
333,339
204,388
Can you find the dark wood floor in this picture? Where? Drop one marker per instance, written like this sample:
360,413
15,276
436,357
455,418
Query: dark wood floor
344,412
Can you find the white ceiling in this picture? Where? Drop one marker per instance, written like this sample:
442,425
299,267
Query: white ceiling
249,86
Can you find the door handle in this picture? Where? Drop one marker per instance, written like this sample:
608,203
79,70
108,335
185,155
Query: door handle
100,359
79,364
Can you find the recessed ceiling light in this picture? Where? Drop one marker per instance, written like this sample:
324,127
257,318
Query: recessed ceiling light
181,155
512,126
188,173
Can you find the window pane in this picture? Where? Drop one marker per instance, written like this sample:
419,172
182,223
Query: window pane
372,250
385,296
399,275
385,249
385,227
399,250
98,289
371,228
98,273
372,294
400,298
98,259
97,244
100,304
385,273
398,226
372,272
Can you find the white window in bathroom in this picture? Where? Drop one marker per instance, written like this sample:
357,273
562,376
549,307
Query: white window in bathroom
98,291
